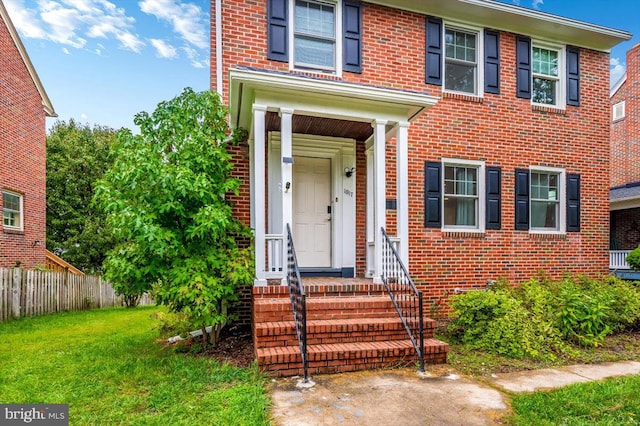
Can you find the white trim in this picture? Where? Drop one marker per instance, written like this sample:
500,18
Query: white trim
620,108
479,33
286,173
402,190
218,39
562,200
380,192
561,78
20,212
481,216
337,71
46,102
624,203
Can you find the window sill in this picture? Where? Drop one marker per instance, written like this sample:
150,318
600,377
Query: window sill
462,234
313,73
549,109
13,231
462,97
547,235
617,120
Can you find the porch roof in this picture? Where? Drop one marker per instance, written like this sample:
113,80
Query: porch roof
318,97
625,196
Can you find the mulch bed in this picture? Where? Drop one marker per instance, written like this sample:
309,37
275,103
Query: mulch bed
235,347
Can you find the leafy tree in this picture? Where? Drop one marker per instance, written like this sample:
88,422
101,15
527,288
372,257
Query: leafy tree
164,196
77,156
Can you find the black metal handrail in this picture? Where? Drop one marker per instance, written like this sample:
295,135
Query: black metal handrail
404,294
298,301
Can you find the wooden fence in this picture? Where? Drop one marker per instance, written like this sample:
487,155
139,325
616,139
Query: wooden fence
26,293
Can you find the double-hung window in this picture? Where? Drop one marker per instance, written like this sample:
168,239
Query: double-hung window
314,35
11,210
547,193
463,204
461,61
619,111
547,72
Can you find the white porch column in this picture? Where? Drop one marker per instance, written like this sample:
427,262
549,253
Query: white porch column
379,191
286,116
258,207
402,189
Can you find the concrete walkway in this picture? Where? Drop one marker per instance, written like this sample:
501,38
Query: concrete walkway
402,397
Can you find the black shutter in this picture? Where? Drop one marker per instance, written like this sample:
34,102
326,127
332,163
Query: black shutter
523,65
573,76
352,36
432,194
277,34
434,51
494,202
522,199
573,202
492,62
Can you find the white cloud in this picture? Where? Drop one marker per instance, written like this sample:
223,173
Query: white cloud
617,70
164,49
194,57
66,51
188,20
72,22
516,2
536,4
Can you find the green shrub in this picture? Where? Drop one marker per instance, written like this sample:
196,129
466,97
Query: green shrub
633,259
582,318
475,310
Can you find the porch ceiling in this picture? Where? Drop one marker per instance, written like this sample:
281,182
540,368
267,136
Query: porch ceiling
308,125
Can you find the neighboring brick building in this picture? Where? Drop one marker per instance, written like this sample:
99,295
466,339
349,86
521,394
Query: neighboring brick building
473,132
23,108
625,164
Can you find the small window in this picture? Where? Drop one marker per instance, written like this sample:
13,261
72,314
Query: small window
462,189
545,200
12,210
546,76
315,35
619,111
461,61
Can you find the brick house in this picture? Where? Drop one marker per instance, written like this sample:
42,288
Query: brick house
472,132
23,107
625,173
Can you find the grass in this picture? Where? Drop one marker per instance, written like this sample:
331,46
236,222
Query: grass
107,365
612,402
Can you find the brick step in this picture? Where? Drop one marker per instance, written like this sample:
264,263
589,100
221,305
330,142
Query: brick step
331,287
283,333
342,357
326,308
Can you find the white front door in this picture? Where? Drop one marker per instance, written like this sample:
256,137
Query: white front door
311,211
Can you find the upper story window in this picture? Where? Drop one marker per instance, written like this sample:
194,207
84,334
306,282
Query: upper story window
461,70
314,37
546,76
619,111
11,210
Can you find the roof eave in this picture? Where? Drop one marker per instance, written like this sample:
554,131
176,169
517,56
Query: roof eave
47,106
518,20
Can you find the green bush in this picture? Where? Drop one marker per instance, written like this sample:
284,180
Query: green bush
633,259
541,317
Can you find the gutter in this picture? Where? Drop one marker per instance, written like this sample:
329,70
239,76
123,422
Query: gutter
219,47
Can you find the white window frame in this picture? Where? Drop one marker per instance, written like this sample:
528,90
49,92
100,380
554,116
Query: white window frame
619,111
479,33
337,4
21,212
481,213
562,200
561,89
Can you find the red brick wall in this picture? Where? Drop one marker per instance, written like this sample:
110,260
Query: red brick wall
625,133
501,130
22,156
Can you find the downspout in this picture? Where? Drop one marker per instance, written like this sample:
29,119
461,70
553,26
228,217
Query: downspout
219,47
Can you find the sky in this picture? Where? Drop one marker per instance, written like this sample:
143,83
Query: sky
103,61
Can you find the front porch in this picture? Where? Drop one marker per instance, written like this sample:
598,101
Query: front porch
330,159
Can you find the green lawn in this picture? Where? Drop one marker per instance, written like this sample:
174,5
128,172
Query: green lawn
107,365
612,402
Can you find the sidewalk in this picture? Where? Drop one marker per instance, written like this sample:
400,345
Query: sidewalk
440,397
